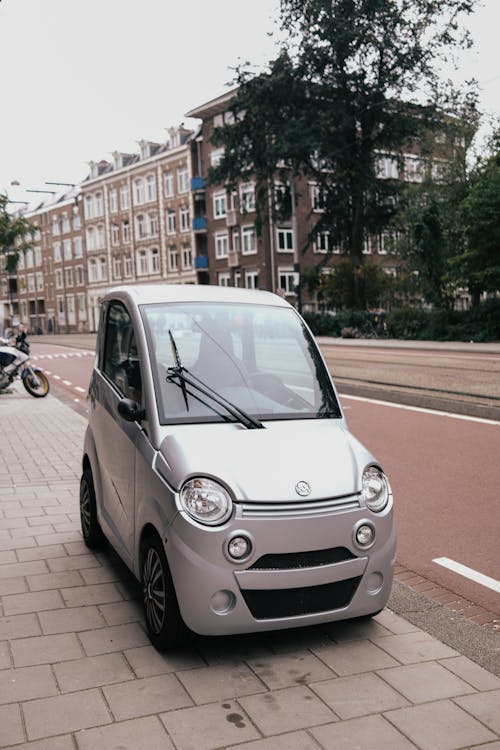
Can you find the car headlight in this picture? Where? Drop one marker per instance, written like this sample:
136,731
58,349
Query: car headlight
375,489
206,501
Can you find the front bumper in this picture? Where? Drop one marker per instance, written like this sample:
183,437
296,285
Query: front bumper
303,570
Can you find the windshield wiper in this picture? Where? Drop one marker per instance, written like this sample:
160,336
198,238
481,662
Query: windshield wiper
181,377
177,358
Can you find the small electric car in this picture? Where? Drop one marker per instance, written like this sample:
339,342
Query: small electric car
218,463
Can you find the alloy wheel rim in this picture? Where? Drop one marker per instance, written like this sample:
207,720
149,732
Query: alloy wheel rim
154,591
85,510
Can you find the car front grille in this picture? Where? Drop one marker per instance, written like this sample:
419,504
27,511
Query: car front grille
297,509
297,560
271,604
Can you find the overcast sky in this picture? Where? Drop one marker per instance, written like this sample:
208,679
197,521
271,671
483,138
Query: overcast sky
83,78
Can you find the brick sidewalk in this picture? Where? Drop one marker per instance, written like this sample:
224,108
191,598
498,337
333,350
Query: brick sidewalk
77,670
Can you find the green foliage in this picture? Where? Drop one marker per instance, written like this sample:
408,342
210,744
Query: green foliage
15,236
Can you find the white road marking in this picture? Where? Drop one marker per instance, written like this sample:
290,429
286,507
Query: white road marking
80,390
473,575
67,382
435,412
56,377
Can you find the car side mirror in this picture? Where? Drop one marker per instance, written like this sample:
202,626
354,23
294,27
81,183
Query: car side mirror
131,410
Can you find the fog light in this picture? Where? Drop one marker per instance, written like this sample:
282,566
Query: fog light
222,602
239,547
365,535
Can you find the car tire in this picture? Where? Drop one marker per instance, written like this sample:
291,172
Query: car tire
92,533
164,622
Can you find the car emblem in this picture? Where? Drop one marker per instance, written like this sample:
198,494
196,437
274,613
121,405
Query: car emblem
303,489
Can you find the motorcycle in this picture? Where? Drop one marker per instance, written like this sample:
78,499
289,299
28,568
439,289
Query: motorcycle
14,362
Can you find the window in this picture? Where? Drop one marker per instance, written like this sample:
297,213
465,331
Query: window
68,276
224,279
173,258
169,183
121,362
77,246
322,243
221,245
386,243
184,218
142,263
171,221
414,168
216,157
99,205
124,197
154,257
285,240
153,224
140,226
117,267
286,280
235,239
79,276
115,234
31,282
252,279
28,257
82,309
247,198
113,200
249,240
57,251
218,120
126,231
317,198
59,278
89,211
182,180
151,187
127,266
67,250
187,256
103,269
139,191
39,281
92,270
367,246
220,205
101,237
386,167
65,223
38,256
77,224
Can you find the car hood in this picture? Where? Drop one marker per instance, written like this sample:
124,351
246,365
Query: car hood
266,464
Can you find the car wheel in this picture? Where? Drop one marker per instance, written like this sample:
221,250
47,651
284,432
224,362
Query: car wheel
165,626
91,530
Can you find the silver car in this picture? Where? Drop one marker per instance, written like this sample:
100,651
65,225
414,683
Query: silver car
218,463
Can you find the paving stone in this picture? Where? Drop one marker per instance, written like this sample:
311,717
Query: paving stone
472,673
119,613
11,725
58,537
18,604
425,682
409,648
294,741
53,743
358,695
45,649
396,624
101,574
65,713
97,594
61,580
78,562
284,710
439,726
485,707
354,657
351,630
145,696
215,683
5,661
137,734
18,626
7,556
366,733
146,661
40,553
92,671
285,670
70,620
215,725
26,683
13,586
13,570
115,638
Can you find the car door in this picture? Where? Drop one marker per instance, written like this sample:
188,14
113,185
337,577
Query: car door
119,373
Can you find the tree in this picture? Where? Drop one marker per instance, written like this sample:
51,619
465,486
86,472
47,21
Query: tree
15,237
345,89
478,266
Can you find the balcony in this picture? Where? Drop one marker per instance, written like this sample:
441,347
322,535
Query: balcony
233,258
201,262
197,183
200,224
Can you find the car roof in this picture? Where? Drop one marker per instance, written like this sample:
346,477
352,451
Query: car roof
146,294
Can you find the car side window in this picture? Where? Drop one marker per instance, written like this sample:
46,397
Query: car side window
121,360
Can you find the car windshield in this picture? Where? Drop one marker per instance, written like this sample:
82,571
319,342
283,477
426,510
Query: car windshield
259,358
